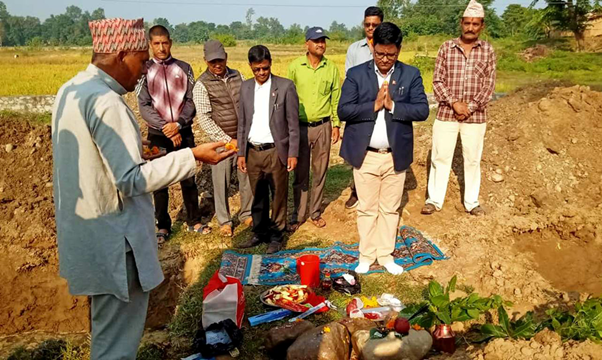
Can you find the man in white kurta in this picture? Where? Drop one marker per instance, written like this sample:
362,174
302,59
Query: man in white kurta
102,187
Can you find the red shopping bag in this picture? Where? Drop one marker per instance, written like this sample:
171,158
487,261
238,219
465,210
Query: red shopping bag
223,298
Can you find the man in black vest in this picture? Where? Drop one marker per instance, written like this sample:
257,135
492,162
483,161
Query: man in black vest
216,97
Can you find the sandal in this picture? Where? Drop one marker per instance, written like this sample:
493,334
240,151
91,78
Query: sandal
162,237
203,229
318,222
292,227
226,230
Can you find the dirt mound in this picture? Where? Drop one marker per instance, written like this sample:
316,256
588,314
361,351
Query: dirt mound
546,345
535,52
33,296
541,186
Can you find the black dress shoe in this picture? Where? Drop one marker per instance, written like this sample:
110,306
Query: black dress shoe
254,241
352,201
274,247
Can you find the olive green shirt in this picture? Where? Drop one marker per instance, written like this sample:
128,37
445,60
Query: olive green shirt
319,89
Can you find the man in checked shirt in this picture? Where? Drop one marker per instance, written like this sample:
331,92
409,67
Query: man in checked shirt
463,83
216,96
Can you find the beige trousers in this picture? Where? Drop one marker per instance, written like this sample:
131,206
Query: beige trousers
445,135
379,190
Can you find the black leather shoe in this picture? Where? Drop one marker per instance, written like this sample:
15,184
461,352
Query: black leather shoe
352,201
274,247
254,241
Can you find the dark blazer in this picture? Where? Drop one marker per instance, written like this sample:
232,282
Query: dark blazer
284,116
356,108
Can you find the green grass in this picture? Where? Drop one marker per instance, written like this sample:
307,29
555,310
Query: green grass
35,118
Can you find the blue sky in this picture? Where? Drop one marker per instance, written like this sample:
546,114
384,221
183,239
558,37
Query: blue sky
348,12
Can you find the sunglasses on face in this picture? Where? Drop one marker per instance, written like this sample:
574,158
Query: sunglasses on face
258,69
371,25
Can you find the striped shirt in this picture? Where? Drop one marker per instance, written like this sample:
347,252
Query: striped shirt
467,79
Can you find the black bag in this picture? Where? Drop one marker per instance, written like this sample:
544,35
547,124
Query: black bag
341,284
219,339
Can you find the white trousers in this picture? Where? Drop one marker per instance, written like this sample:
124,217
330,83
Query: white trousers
445,136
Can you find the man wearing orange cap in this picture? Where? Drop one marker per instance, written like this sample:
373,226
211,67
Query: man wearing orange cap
102,186
463,83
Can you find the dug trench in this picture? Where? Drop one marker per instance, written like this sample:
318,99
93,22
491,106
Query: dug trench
539,244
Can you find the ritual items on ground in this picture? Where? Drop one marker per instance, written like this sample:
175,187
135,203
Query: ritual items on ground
308,268
287,296
348,283
154,152
327,282
269,316
223,298
219,338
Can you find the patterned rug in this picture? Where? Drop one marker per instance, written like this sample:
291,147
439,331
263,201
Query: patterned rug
412,250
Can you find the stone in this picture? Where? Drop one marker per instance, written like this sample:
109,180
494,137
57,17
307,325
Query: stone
458,326
574,140
498,171
356,324
498,274
517,292
279,338
539,197
9,147
387,348
558,188
497,178
539,167
358,341
547,337
526,351
544,104
457,294
416,345
326,342
512,198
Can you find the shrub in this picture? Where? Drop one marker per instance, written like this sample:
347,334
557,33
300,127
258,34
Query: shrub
227,40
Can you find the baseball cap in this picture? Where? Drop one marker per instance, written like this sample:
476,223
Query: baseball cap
213,50
314,33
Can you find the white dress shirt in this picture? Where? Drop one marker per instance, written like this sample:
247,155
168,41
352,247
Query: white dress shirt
260,132
379,139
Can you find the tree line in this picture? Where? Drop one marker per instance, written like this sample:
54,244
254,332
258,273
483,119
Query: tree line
420,17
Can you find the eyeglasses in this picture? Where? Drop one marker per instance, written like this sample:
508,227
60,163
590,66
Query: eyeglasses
371,25
381,56
258,69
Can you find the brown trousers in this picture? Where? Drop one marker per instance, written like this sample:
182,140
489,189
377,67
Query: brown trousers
267,174
314,141
379,190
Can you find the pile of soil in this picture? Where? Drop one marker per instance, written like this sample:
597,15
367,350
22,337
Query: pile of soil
34,297
541,187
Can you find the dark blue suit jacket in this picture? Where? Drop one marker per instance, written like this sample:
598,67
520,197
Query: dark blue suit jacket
356,108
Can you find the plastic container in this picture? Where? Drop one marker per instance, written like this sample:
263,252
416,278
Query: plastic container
308,268
269,317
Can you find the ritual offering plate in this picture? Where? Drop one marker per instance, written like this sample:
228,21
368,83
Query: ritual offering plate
287,296
153,152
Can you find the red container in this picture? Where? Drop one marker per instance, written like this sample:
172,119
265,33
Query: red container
308,268
444,339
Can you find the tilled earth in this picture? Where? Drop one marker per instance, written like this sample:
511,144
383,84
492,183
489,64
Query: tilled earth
538,246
